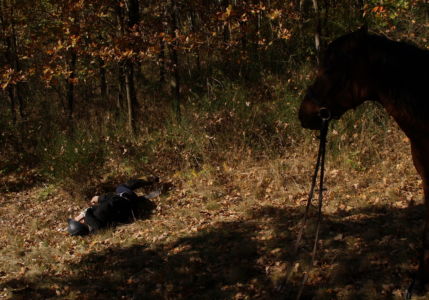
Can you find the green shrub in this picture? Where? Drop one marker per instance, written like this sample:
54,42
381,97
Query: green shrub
77,158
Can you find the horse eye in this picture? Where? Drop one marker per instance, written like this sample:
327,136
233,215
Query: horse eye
329,69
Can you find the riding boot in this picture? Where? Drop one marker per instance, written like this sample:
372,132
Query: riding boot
139,183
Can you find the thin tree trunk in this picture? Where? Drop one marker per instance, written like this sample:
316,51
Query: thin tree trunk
103,82
175,84
9,34
71,80
131,96
258,37
318,29
325,23
243,65
194,27
12,103
427,10
301,34
19,88
17,67
133,20
271,38
70,83
121,89
121,76
161,58
226,28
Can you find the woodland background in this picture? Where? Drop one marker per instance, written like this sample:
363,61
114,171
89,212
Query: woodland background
203,94
90,87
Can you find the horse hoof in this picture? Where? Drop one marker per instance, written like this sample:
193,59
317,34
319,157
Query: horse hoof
417,288
408,293
280,288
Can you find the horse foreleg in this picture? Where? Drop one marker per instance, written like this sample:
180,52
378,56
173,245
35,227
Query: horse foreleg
421,162
422,277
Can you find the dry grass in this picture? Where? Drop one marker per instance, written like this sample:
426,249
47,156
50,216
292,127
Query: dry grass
226,231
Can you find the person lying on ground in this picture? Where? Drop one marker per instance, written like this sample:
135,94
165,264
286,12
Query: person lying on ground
110,209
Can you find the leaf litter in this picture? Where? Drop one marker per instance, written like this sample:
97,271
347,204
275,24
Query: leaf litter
228,234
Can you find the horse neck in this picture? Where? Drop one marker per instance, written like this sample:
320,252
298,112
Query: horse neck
397,77
408,118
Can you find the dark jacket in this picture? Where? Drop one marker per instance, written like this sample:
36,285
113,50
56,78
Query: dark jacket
112,209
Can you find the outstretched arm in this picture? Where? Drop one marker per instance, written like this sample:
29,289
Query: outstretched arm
95,200
80,217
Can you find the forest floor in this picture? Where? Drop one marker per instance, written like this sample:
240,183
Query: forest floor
223,233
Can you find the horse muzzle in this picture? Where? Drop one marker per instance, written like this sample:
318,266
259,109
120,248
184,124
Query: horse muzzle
325,114
314,120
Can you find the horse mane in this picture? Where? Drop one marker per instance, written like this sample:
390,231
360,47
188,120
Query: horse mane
403,73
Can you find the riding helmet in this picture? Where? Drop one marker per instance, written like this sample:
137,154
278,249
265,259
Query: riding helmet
77,228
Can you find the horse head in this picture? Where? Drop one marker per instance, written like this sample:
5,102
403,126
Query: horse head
341,80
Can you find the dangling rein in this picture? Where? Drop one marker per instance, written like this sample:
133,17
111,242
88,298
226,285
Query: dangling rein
325,115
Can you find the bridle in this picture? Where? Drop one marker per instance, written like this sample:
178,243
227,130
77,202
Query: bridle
320,164
324,112
325,115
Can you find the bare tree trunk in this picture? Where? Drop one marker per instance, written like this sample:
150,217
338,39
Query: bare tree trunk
318,29
103,82
131,95
302,15
19,88
161,58
12,103
17,67
325,23
71,80
226,27
121,89
70,83
243,66
133,22
194,26
427,10
121,76
133,19
133,8
175,84
9,34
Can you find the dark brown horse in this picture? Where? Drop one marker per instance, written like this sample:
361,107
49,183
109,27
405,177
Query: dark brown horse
361,66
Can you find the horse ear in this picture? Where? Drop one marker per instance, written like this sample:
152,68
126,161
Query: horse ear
364,29
361,33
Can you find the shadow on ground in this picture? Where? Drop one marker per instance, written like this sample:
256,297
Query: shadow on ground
365,254
13,184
